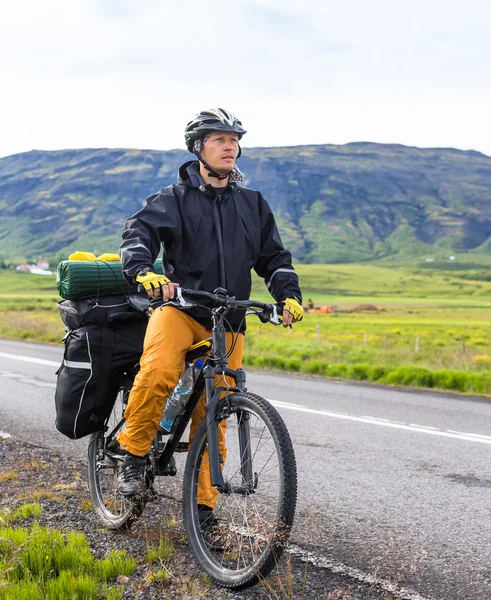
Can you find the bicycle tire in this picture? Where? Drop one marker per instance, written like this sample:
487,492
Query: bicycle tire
252,529
115,511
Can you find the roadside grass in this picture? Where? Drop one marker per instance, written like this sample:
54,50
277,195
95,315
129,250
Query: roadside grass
40,494
39,562
159,553
46,564
393,564
23,512
8,476
283,583
390,571
431,346
428,328
43,327
162,552
27,292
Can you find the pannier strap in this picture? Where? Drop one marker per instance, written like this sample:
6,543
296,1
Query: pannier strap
104,371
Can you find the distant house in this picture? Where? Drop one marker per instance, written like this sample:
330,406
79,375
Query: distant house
42,268
25,267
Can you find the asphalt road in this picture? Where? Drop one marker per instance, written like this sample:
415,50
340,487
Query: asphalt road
395,484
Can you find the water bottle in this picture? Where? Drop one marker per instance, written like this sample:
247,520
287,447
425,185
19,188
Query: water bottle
177,400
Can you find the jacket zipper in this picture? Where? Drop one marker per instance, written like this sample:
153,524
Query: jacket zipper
218,227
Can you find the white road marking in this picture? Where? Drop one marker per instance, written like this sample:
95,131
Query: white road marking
459,435
30,359
4,435
357,574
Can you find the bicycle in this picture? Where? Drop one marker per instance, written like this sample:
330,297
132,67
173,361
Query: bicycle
256,484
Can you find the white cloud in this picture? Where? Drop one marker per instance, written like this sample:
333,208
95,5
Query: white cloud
114,73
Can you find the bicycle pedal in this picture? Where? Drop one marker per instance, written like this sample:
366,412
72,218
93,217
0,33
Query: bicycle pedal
182,447
170,469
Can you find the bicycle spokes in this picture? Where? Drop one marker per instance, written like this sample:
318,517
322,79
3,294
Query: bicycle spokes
254,512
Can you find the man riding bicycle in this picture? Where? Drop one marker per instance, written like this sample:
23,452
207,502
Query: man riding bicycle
213,231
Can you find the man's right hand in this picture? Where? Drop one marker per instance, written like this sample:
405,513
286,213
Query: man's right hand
157,285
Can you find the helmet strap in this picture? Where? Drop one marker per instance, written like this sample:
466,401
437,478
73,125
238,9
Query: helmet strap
211,171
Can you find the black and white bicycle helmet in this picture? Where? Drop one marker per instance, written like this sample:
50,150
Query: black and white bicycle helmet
207,121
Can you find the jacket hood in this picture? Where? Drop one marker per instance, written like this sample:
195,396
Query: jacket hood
189,174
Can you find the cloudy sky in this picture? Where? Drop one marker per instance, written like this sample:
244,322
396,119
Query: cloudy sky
131,73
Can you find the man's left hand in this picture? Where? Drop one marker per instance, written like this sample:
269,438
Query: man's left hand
292,312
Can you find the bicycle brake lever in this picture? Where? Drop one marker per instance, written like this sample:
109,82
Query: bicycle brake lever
182,301
274,319
179,301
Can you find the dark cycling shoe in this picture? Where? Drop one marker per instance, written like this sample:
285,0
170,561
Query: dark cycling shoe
131,478
211,530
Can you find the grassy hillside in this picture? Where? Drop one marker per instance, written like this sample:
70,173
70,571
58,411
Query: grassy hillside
334,204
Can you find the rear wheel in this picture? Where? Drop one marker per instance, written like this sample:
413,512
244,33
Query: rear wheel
251,520
104,457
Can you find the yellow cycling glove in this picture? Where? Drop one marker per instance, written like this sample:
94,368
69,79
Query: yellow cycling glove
151,281
294,308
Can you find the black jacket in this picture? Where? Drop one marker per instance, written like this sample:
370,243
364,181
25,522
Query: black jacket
211,238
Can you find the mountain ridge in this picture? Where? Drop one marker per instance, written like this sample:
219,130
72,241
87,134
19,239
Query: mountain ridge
334,203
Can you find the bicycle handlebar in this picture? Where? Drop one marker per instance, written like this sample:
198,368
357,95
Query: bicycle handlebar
268,312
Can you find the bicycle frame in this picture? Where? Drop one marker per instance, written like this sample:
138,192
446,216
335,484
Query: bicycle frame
205,382
239,539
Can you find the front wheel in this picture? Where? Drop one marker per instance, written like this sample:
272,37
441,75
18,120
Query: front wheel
104,458
252,518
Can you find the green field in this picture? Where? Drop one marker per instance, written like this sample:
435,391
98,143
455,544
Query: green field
407,326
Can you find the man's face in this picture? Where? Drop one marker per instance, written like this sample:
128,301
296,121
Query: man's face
220,151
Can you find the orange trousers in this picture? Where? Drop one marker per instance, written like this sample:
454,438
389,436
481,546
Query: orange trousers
169,335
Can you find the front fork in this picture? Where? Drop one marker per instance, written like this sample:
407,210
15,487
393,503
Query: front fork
213,410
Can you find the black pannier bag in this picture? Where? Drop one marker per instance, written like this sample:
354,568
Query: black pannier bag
104,340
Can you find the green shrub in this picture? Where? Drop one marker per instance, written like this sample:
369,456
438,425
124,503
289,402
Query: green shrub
276,361
69,585
376,373
316,366
480,383
293,364
416,376
358,372
336,370
26,511
114,592
38,562
452,380
49,551
25,590
258,361
116,563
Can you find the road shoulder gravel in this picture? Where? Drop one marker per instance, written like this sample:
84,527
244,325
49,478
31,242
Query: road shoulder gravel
33,474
